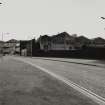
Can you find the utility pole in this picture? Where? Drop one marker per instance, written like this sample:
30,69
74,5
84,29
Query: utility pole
31,47
2,45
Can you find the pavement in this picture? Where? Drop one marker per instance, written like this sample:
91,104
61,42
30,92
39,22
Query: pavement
23,84
98,63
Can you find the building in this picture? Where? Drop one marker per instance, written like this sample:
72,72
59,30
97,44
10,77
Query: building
83,41
27,47
23,47
45,42
61,41
1,47
17,48
9,46
98,42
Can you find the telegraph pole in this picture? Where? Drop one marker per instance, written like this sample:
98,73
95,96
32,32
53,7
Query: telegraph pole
2,45
31,47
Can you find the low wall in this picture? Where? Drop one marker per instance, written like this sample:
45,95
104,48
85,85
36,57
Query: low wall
85,53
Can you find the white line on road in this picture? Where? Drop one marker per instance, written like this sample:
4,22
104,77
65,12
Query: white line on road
98,99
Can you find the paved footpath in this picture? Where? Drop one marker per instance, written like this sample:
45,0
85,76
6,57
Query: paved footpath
97,63
23,84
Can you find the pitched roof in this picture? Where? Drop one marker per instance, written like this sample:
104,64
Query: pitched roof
98,40
12,41
45,38
82,39
63,34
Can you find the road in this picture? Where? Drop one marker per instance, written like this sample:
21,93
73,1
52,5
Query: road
23,84
89,77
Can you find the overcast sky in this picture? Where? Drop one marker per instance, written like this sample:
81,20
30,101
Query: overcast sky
25,19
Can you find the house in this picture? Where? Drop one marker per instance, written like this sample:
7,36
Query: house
17,48
1,47
9,46
6,48
61,41
45,42
82,41
98,42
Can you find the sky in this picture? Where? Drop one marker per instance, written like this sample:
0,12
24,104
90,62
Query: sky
27,19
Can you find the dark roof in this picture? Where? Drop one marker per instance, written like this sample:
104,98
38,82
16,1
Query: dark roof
12,41
45,38
98,40
63,34
82,39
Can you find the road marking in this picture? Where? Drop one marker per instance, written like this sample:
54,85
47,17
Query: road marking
98,99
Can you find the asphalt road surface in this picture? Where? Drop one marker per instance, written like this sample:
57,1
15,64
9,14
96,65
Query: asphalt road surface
23,84
89,77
